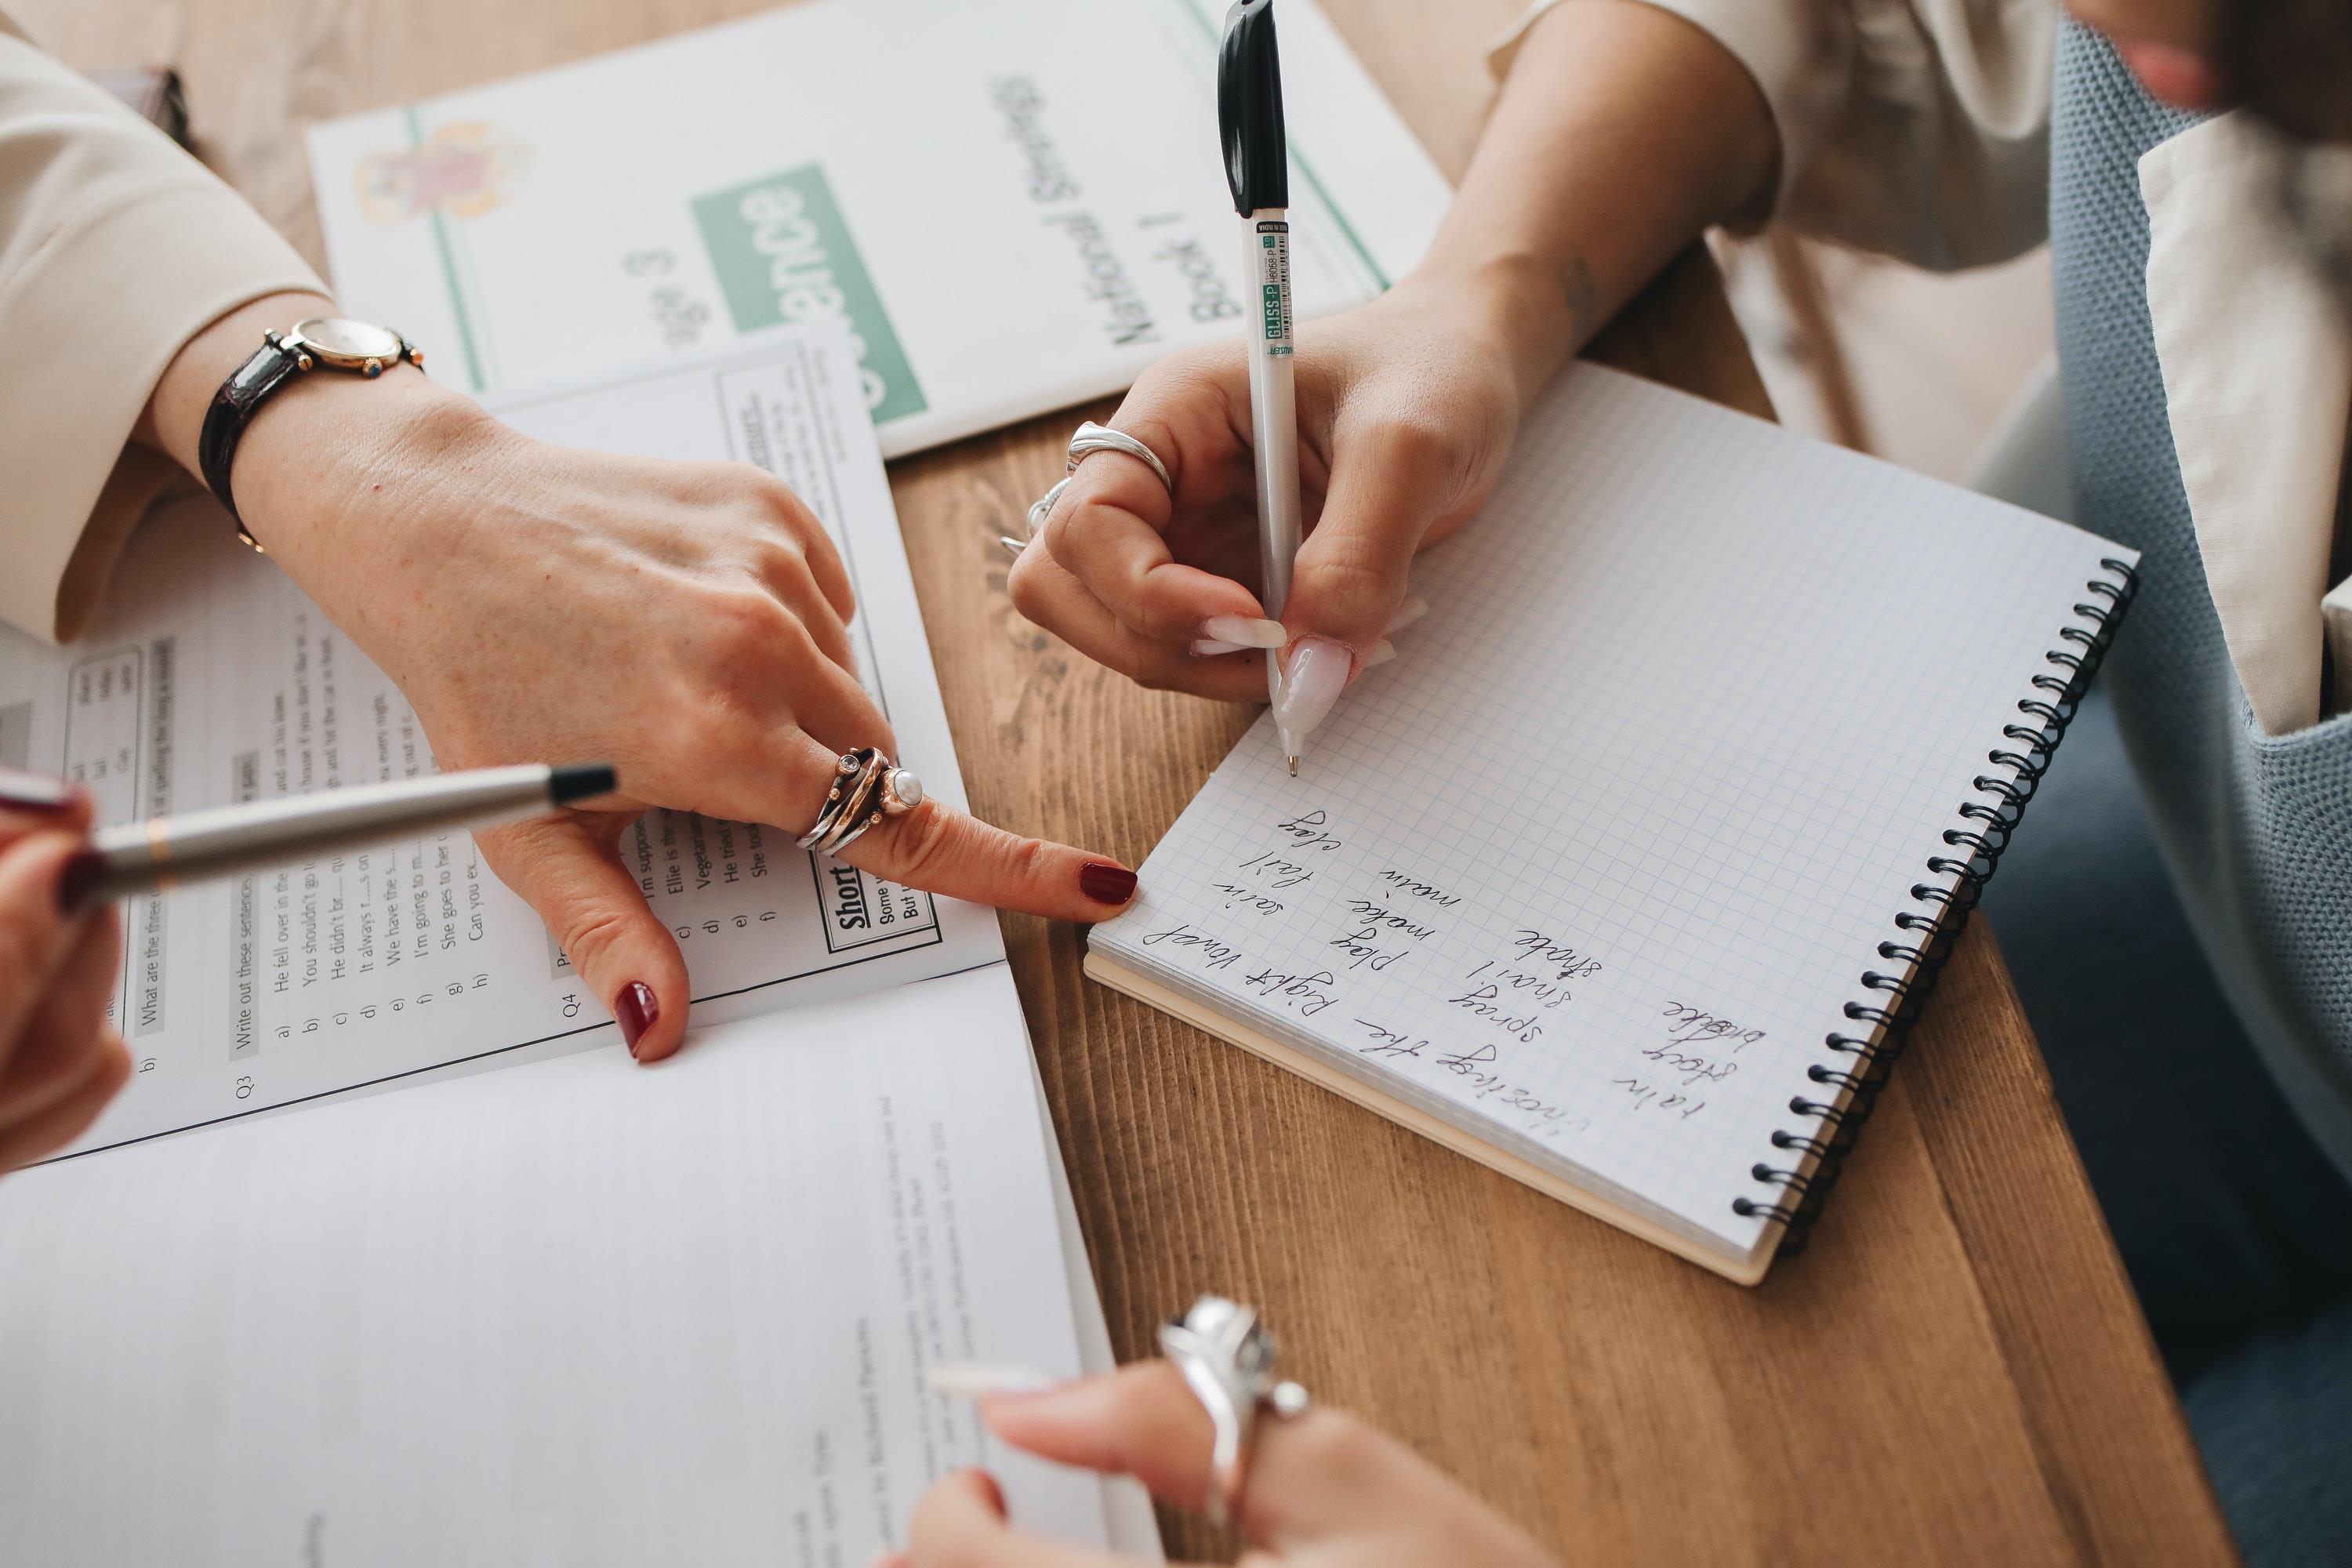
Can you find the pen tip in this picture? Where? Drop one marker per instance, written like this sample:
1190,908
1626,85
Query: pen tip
580,781
1293,767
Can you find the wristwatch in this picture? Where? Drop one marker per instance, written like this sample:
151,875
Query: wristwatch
331,342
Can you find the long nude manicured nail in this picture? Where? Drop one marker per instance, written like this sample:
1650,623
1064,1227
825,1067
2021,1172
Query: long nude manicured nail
1312,679
975,1380
1411,610
1210,647
1244,631
21,791
1382,651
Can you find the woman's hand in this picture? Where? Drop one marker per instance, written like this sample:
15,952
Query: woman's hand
1407,407
1622,133
1324,1490
686,621
60,1060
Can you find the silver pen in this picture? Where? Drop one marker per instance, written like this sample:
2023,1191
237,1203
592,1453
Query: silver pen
1258,168
165,852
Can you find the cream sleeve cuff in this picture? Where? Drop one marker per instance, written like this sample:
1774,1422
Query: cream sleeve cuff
1792,49
116,248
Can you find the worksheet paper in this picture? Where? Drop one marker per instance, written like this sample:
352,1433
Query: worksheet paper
571,1314
209,679
1592,869
1015,207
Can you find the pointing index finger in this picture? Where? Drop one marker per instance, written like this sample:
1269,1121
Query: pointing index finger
942,850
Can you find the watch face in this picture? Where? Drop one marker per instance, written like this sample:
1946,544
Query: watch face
337,338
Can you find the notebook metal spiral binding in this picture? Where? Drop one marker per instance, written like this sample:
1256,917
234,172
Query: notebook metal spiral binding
1852,1082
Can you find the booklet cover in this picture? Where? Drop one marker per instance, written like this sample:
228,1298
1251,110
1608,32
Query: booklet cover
1013,208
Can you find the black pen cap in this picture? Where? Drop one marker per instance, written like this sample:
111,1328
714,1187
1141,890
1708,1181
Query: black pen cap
1249,109
580,781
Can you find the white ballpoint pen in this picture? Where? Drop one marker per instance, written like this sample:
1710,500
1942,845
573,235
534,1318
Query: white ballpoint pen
1258,168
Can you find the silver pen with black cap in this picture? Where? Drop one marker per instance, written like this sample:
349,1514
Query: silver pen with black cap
167,852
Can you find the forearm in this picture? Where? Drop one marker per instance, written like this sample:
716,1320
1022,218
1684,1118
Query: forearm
1622,134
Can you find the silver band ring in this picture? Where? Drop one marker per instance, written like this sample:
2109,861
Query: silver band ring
1089,439
1226,1356
865,787
1093,437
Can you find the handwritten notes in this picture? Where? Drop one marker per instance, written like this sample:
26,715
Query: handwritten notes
1592,870
1372,953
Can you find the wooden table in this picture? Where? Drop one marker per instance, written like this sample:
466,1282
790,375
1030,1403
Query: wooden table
1956,1371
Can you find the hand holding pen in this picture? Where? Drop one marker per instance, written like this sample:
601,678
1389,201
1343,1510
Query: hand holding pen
60,949
1380,434
61,939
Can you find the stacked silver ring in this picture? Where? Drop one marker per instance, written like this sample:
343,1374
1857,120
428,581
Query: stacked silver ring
1226,1356
866,787
1089,439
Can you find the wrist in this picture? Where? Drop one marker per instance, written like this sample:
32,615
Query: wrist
173,418
1526,314
329,447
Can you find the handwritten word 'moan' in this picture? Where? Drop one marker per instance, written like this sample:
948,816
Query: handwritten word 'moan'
1403,882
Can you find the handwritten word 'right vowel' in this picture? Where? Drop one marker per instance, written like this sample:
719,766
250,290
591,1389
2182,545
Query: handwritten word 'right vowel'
1212,952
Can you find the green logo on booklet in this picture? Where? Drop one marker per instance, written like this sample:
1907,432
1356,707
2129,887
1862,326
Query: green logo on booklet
782,253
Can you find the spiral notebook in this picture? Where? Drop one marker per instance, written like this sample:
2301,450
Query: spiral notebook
1627,876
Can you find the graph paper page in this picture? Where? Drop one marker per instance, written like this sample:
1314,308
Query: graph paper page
1592,869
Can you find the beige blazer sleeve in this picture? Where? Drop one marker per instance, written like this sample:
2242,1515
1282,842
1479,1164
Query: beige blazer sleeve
115,248
1919,129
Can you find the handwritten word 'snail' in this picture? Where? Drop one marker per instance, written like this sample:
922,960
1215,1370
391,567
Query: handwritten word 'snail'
972,1380
1244,631
1411,610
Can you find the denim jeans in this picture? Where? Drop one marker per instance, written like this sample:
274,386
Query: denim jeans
2235,1227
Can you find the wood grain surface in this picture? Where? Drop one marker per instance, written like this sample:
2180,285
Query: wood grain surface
1955,1373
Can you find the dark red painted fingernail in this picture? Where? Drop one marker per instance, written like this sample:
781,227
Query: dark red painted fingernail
78,880
1106,883
34,792
637,1008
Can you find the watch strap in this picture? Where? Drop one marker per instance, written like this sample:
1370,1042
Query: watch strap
247,387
